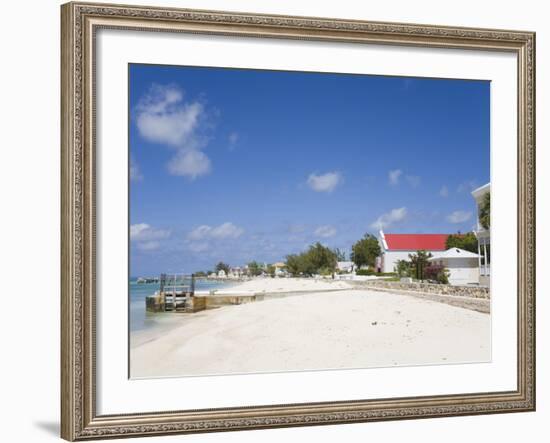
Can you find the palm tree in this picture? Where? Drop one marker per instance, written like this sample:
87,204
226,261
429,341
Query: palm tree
485,211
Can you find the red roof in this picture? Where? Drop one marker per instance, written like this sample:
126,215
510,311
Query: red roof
415,242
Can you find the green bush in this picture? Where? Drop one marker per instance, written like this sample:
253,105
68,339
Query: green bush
436,273
403,268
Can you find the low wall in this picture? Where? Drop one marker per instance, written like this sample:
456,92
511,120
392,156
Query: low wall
214,301
430,288
154,303
195,304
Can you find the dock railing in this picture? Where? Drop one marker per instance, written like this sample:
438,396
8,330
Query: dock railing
175,289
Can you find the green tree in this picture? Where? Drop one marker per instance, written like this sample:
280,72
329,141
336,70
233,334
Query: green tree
254,268
221,266
294,264
271,270
485,211
321,257
402,268
467,241
419,262
340,255
316,259
365,251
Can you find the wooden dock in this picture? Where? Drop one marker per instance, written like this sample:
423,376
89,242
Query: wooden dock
176,294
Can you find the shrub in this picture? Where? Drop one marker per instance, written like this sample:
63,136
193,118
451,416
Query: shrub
378,274
365,272
436,273
419,263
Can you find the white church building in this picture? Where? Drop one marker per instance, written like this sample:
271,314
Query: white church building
398,247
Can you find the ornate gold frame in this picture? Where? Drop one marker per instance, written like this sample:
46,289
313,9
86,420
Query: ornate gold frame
79,22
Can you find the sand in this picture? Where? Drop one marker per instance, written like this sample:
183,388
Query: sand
274,285
324,330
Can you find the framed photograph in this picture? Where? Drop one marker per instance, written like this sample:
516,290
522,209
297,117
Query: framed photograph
277,221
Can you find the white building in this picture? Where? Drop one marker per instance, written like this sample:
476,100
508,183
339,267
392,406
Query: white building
280,269
398,247
483,239
345,266
235,272
462,265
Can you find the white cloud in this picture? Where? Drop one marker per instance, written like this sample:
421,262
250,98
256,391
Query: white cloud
143,232
389,218
296,228
394,175
147,238
221,232
413,180
190,163
199,247
394,178
325,182
199,233
135,173
325,231
459,216
163,117
444,191
148,245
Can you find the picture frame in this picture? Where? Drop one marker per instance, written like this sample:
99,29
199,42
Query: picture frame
80,23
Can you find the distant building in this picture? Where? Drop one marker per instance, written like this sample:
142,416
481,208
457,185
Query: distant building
345,266
398,247
235,272
462,265
483,239
280,269
221,273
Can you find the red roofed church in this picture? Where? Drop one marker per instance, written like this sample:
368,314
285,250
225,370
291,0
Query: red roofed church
398,247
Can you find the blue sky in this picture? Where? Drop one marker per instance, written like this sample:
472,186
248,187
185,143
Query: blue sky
240,165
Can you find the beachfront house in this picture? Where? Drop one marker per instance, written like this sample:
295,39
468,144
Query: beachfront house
483,238
235,272
462,265
398,247
280,269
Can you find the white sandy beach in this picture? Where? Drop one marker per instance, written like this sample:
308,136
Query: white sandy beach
274,285
321,330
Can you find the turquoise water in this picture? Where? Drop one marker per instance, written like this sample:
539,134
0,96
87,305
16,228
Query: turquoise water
141,319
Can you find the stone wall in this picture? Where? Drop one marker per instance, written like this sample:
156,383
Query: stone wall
430,288
213,301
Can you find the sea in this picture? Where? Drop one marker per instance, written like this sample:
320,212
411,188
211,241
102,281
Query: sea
140,319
